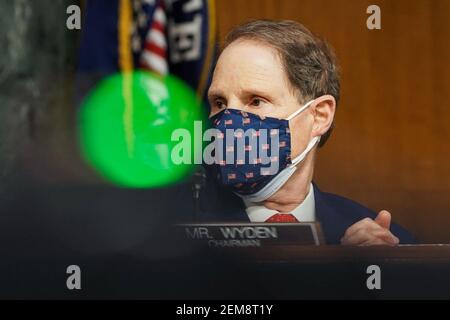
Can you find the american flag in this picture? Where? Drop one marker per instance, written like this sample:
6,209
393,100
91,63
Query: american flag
154,54
165,36
257,161
231,176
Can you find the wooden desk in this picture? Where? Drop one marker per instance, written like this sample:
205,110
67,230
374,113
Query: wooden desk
332,272
436,253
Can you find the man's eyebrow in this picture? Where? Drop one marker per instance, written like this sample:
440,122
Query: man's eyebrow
215,93
257,92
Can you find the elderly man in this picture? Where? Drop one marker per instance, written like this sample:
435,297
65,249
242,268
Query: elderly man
278,75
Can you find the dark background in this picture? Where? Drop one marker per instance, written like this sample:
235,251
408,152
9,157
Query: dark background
390,147
390,150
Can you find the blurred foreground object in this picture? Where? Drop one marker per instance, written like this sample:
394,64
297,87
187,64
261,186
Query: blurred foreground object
126,124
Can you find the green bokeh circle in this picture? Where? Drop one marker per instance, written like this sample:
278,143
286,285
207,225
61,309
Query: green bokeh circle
125,128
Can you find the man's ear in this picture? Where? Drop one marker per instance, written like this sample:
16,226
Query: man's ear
323,109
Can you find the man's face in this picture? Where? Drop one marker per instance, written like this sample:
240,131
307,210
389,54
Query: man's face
249,76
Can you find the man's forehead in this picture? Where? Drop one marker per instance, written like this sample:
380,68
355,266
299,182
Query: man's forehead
248,67
250,54
249,86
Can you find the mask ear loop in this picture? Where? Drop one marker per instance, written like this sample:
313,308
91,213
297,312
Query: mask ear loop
279,180
313,141
296,113
308,148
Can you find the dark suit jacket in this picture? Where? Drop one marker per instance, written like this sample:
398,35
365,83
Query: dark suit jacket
335,213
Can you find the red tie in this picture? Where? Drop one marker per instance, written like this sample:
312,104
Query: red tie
282,218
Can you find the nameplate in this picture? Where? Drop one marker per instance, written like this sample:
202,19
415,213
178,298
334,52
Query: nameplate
223,235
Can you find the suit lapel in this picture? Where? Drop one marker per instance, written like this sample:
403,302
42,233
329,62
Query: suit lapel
333,225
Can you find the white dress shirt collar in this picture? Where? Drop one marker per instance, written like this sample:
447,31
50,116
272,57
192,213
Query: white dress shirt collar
305,212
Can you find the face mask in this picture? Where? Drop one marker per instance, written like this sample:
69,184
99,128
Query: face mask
254,175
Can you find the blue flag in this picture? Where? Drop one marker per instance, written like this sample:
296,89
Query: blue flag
165,36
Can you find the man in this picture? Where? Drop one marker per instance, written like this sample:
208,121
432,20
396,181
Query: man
279,75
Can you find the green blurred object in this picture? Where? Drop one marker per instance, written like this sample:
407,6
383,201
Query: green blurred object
126,124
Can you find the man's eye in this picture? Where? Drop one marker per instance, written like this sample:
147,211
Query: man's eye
256,102
219,104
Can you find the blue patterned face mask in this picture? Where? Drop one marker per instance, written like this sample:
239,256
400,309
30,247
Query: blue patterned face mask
253,153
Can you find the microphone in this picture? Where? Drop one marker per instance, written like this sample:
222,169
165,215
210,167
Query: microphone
198,183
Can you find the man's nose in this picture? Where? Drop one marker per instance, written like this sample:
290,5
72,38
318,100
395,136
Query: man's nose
235,103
